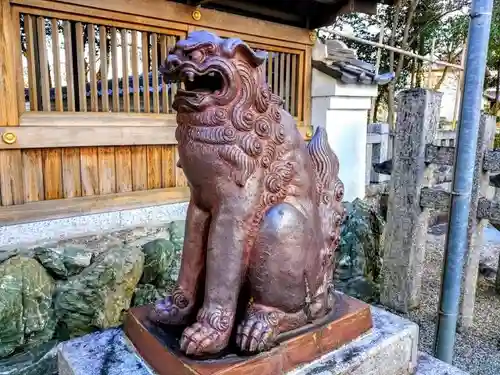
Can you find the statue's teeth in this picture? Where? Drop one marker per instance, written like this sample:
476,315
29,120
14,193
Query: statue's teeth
211,74
190,77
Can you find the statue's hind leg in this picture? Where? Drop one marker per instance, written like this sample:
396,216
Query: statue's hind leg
286,288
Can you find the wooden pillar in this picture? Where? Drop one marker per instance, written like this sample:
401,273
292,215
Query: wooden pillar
11,183
407,222
8,105
307,100
476,228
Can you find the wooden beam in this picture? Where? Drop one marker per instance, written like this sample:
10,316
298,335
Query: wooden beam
88,136
97,119
178,13
64,208
72,12
257,9
442,155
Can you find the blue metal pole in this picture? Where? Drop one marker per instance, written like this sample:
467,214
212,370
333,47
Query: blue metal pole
456,239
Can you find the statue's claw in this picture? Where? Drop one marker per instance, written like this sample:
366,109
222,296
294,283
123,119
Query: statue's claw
174,309
210,334
258,331
199,339
254,336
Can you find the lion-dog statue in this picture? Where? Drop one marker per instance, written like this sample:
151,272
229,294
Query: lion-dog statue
264,215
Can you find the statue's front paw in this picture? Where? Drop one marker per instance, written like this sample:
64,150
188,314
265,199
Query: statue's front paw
210,334
174,309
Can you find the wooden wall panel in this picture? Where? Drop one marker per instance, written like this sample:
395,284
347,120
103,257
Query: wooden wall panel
123,157
154,167
52,174
168,166
139,168
71,171
33,176
89,171
56,173
106,170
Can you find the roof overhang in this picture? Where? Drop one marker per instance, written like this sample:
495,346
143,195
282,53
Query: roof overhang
309,14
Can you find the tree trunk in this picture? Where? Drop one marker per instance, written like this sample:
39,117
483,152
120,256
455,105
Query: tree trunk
497,91
413,72
442,78
376,106
391,86
420,64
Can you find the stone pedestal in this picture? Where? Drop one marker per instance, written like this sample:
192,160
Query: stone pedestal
342,109
390,348
159,347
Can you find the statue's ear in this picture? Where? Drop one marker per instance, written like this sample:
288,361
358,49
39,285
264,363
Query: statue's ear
232,45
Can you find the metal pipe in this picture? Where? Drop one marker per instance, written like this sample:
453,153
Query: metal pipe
467,135
395,49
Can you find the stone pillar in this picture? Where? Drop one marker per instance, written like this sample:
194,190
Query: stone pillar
406,228
342,109
480,188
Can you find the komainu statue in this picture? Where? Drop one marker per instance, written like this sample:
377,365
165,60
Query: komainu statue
265,211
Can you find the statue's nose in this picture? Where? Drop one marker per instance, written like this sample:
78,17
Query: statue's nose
171,64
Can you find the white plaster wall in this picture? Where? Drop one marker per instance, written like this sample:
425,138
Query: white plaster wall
346,131
342,110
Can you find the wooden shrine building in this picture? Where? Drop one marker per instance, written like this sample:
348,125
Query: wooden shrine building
86,123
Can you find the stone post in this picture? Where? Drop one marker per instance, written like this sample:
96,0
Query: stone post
480,188
407,222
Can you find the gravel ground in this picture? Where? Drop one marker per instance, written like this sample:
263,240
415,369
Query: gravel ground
476,351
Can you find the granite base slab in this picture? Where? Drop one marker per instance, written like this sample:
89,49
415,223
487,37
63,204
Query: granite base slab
390,348
428,365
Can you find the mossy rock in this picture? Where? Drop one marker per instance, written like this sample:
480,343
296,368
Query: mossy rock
40,359
146,294
359,256
97,297
26,312
177,233
63,262
159,256
177,230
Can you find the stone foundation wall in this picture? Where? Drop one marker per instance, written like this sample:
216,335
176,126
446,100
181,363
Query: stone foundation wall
65,289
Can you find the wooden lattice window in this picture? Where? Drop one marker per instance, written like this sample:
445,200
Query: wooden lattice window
77,66
282,76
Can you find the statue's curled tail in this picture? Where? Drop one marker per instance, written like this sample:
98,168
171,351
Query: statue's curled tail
330,189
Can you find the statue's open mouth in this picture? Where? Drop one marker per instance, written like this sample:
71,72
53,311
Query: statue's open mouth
209,82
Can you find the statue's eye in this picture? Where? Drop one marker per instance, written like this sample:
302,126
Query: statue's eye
196,56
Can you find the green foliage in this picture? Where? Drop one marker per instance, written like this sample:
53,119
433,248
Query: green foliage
496,144
494,45
445,21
